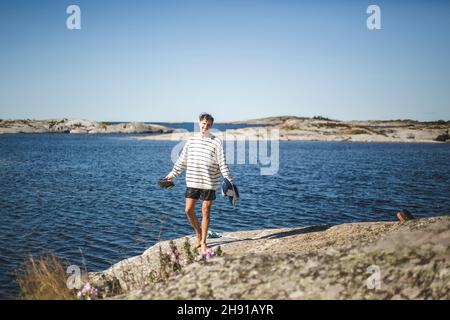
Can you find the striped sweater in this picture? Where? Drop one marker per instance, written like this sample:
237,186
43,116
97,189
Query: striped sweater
204,160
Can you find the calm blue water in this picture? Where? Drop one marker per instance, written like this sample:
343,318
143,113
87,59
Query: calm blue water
97,193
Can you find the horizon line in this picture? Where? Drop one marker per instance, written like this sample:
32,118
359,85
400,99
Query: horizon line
248,119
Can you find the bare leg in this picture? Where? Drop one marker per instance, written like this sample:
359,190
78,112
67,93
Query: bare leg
206,209
190,206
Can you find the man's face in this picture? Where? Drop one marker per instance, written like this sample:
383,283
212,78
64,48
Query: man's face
205,125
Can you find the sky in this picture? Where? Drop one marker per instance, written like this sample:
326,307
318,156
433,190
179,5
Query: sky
169,60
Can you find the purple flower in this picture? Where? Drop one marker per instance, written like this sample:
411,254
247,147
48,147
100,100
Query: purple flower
208,254
87,286
87,292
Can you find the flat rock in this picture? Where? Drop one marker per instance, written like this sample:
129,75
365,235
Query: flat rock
410,260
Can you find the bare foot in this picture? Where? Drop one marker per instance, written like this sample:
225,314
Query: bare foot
204,248
196,245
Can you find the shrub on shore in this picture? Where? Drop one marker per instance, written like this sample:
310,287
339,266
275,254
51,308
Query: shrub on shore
44,278
443,137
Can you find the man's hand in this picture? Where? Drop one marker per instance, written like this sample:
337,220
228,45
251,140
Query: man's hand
166,183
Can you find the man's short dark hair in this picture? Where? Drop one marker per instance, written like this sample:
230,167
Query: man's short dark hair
206,116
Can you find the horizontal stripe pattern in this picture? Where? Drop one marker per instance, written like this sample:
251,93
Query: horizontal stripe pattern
204,162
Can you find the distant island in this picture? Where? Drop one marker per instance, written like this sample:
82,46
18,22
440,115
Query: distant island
65,125
290,128
325,129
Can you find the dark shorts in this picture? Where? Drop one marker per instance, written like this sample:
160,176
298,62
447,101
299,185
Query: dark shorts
202,194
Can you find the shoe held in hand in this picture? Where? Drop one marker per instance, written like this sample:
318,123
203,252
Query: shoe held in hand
166,184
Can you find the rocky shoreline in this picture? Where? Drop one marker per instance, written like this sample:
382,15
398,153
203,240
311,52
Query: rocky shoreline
323,129
410,260
285,128
77,126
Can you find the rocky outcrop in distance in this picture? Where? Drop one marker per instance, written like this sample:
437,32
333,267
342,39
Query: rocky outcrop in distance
292,128
78,126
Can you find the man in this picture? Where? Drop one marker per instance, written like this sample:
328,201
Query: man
204,160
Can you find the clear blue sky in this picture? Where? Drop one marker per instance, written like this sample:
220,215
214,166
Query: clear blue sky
167,60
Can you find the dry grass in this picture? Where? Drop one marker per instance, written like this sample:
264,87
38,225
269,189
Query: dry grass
289,127
331,125
354,131
44,278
